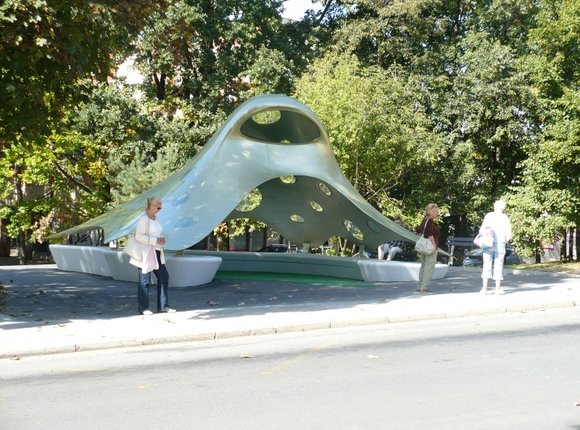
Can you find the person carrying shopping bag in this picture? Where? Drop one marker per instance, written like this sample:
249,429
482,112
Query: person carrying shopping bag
431,231
149,235
498,225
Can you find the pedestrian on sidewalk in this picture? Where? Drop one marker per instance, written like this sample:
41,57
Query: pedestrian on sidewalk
149,232
498,224
432,232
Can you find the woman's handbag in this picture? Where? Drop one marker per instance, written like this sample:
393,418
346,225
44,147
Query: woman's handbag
424,246
134,249
150,262
483,241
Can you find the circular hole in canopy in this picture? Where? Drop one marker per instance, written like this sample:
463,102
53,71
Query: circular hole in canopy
324,189
353,229
290,179
316,206
180,200
296,218
184,223
250,201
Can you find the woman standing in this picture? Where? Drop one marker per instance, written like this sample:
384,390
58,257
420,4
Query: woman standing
430,230
497,224
149,233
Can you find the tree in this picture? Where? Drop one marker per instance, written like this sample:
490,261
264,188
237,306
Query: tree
46,47
489,119
46,50
464,69
382,139
197,50
547,201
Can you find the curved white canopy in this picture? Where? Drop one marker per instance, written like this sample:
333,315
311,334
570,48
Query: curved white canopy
278,146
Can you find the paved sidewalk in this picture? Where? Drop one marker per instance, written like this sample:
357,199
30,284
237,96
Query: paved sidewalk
45,310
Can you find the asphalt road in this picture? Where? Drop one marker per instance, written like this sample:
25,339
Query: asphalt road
510,371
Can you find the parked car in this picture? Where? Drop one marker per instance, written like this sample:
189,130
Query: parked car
475,257
277,247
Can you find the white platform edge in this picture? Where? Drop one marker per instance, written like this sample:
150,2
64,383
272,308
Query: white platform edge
199,267
368,270
184,271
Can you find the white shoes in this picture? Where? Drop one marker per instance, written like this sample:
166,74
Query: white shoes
166,309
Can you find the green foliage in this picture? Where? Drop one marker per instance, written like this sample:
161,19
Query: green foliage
458,103
196,51
139,144
270,73
463,58
489,117
547,200
380,135
45,47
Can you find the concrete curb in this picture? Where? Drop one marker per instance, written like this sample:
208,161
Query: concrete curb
329,323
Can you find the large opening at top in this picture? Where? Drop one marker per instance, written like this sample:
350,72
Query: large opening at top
280,126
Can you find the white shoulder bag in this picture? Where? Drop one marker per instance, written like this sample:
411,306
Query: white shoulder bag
423,245
134,248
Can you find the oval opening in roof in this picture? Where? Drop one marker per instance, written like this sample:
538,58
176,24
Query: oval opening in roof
353,229
250,201
289,179
297,218
316,206
288,128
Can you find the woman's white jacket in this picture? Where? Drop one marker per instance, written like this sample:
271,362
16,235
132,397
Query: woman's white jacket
144,238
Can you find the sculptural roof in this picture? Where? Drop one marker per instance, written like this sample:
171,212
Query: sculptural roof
275,148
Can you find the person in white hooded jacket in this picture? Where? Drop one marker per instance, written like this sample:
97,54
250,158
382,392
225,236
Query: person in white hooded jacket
497,224
149,233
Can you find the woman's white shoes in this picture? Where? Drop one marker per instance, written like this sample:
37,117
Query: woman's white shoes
166,310
498,291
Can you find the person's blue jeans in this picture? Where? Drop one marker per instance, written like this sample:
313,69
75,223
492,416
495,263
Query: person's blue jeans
162,276
493,259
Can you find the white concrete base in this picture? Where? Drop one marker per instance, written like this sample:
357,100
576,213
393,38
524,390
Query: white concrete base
382,270
322,265
199,267
85,259
184,271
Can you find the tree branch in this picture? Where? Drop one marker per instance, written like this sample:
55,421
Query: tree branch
324,12
72,179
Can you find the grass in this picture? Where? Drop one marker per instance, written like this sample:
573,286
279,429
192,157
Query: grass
291,277
552,266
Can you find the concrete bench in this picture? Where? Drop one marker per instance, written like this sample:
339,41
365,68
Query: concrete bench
184,271
370,270
395,271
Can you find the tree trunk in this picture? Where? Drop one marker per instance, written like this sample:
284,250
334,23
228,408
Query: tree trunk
5,240
24,248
